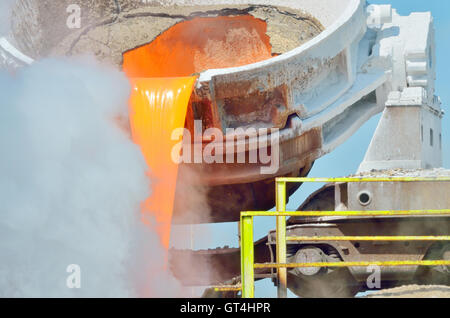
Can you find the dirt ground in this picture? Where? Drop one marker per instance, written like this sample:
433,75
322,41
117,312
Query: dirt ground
412,291
397,173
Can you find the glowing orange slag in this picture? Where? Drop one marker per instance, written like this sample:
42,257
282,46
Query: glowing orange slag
160,73
201,44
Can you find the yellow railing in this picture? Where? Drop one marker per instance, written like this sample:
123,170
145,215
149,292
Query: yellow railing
247,248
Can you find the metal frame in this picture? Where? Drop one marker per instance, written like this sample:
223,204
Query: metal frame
247,248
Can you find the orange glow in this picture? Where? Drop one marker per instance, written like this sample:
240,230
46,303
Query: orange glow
201,44
161,76
157,107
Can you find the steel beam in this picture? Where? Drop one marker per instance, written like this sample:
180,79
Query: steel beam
281,238
247,257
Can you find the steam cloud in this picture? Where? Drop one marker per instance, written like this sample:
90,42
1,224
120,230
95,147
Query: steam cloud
5,12
71,185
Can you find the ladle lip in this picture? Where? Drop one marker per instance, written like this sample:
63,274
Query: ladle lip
14,52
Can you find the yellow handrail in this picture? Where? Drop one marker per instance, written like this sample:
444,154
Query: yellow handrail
367,238
348,213
353,264
364,179
247,247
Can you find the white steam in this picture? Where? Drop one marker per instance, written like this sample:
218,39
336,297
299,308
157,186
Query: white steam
5,15
71,185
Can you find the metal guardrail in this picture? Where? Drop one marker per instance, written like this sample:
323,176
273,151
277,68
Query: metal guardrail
247,247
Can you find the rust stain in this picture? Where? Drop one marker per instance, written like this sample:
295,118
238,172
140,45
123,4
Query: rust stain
266,106
302,146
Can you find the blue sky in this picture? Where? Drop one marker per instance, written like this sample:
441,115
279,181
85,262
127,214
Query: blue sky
346,158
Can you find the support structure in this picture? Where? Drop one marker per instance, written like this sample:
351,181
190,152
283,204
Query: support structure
281,239
247,257
408,135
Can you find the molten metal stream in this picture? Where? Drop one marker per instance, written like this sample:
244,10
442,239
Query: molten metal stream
158,106
161,76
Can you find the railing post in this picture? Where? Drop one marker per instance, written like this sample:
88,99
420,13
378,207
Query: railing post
281,238
247,257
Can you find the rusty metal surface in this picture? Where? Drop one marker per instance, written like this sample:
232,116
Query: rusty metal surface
226,201
294,153
231,188
267,108
268,99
